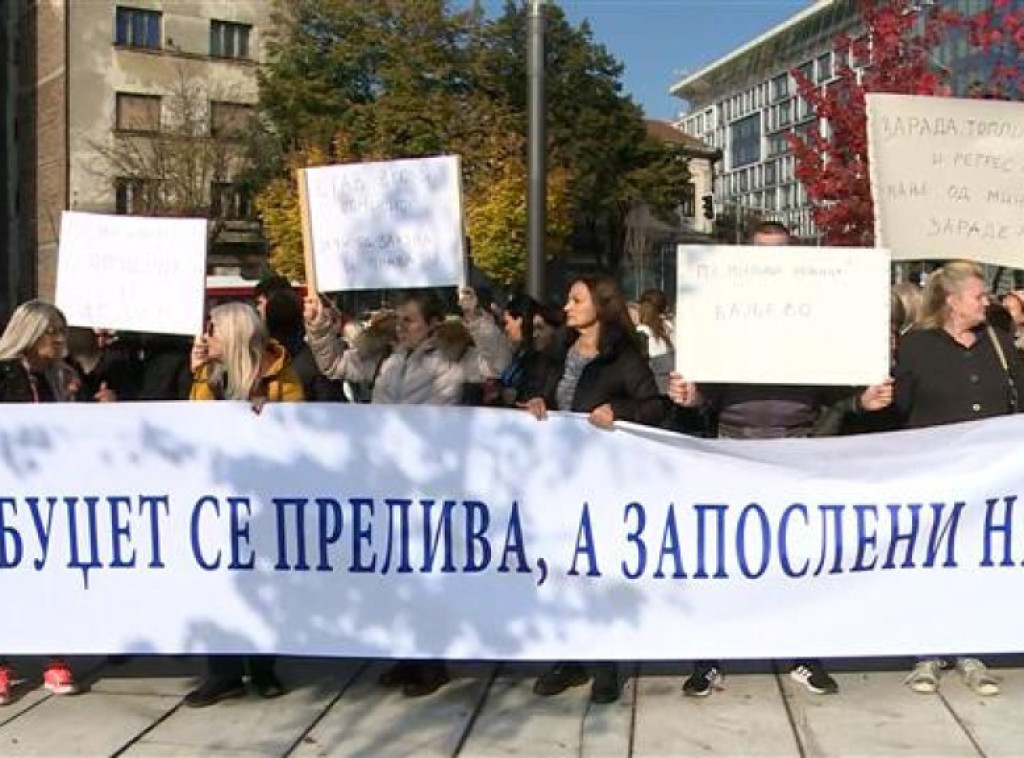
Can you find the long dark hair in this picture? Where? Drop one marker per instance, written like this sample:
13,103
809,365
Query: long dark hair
523,307
653,307
612,314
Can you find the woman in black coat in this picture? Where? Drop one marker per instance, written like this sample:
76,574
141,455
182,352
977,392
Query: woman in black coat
601,372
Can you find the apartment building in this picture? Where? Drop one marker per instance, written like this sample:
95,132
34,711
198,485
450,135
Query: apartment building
745,104
103,84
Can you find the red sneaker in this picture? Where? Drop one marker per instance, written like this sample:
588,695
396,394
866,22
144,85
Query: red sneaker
6,684
57,678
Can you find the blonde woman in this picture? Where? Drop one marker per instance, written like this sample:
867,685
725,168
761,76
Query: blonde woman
951,368
910,298
32,370
237,360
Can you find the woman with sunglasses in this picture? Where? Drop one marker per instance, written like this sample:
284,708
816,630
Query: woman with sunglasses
237,360
33,369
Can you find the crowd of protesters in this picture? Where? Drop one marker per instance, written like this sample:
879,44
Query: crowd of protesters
956,356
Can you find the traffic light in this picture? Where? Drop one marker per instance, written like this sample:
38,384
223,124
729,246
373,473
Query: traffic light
708,204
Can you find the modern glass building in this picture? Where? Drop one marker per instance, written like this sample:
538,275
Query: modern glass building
745,103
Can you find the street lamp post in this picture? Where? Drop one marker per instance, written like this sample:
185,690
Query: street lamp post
536,199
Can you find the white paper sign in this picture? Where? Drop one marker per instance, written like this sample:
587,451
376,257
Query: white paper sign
782,315
947,178
387,225
132,273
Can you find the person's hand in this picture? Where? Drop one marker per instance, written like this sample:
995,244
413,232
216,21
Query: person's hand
469,302
105,394
680,391
603,417
877,396
200,354
536,407
312,309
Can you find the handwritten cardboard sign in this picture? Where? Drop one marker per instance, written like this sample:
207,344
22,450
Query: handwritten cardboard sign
132,273
947,177
385,225
782,315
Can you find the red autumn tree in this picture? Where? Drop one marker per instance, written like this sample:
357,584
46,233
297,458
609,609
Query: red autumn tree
898,47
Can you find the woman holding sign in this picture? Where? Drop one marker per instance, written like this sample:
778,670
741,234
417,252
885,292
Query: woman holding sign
433,362
953,367
237,360
33,349
604,373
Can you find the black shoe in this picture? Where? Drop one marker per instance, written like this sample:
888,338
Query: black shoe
398,675
705,678
268,685
607,685
559,678
812,675
214,690
427,679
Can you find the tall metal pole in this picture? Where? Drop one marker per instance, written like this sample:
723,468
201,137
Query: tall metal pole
536,198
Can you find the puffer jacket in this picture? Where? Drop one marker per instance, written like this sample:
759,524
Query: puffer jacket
436,372
279,383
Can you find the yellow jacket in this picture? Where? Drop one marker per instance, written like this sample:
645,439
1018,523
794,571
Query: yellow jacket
279,383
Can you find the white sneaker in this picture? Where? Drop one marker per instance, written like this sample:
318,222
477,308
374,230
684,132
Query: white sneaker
977,676
925,676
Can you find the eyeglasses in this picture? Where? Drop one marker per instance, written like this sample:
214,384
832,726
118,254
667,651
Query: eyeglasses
56,331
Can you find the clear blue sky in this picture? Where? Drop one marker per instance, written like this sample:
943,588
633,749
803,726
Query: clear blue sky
659,41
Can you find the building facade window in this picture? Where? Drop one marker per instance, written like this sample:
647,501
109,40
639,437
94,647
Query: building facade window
130,196
745,139
780,87
134,27
824,68
137,113
230,202
688,205
229,40
229,120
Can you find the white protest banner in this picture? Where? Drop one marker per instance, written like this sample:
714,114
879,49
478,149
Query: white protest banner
132,273
947,178
782,315
386,225
372,531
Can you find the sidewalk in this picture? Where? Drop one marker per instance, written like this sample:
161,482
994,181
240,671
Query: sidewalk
334,707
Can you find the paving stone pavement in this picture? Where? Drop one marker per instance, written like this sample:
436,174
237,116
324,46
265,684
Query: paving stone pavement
335,707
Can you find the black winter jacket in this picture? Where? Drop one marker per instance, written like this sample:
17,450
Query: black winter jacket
620,375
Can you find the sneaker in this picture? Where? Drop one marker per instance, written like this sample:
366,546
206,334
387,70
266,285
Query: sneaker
925,676
57,678
706,677
6,684
559,678
426,679
213,690
977,676
607,686
813,676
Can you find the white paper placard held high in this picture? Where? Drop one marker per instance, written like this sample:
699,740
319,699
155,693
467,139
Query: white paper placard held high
132,273
387,225
947,178
782,315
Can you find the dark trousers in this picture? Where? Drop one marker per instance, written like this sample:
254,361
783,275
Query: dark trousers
234,666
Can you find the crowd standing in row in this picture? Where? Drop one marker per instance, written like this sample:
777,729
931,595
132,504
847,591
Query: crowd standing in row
956,357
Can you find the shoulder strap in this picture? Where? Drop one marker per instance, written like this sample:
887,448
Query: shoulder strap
998,346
